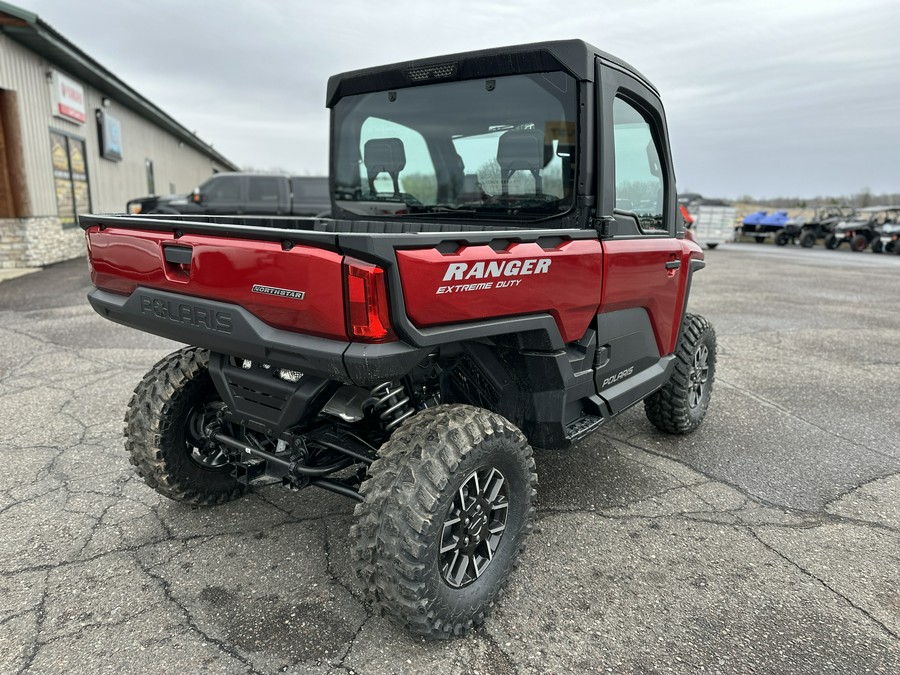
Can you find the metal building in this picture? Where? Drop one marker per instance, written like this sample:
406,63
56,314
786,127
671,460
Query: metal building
74,138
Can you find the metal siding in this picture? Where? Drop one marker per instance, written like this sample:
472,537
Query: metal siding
112,183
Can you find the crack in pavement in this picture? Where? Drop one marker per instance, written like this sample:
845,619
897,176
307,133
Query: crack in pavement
757,498
192,623
824,584
762,400
187,538
355,596
738,527
40,612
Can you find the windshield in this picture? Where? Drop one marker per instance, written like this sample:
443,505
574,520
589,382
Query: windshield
482,149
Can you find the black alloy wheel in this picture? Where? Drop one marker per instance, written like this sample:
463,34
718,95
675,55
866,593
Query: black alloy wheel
202,452
473,527
699,376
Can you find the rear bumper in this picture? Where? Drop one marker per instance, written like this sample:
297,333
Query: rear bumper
231,329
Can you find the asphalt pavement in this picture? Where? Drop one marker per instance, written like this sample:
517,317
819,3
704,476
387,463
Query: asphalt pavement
767,541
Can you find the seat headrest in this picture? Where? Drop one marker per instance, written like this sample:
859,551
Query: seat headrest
384,154
521,150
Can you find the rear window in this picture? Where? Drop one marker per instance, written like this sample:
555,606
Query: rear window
485,149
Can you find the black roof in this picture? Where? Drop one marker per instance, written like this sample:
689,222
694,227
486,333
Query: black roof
574,56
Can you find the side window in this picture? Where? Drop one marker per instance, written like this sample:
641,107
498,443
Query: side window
640,188
263,189
224,189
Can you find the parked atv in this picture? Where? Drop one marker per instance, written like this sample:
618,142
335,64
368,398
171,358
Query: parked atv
887,231
410,360
808,232
862,230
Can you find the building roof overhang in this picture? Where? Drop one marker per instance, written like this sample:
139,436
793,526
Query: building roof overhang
33,33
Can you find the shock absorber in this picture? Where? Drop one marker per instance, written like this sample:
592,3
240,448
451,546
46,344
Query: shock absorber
390,402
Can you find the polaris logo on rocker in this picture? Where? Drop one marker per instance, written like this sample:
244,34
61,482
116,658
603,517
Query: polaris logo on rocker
612,379
497,268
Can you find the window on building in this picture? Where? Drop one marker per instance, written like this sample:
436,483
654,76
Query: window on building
73,193
639,178
151,180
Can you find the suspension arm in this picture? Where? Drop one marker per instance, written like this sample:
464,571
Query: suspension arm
292,466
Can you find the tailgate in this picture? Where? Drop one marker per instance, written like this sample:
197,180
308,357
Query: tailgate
297,288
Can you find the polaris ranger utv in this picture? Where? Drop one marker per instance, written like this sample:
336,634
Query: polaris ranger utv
506,268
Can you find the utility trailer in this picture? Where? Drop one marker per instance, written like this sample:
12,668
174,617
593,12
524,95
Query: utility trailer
713,224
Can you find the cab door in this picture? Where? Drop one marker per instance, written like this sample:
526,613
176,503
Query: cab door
267,195
645,262
224,194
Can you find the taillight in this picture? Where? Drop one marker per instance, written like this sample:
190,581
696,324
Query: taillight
366,303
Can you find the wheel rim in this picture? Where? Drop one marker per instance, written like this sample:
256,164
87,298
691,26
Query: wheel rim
203,453
474,527
699,375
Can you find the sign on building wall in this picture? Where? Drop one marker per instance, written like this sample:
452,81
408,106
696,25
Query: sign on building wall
68,98
110,133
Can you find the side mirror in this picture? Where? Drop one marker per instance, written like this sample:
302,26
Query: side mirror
196,197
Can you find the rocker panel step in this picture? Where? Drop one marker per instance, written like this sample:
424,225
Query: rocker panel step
581,427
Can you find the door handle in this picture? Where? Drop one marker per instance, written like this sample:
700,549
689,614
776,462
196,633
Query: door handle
673,264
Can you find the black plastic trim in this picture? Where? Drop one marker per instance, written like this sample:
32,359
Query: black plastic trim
694,265
575,56
221,227
178,255
257,398
621,396
230,329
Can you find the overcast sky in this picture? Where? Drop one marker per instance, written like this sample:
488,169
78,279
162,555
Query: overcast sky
788,97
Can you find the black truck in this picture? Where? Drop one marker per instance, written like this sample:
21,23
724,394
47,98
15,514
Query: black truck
259,194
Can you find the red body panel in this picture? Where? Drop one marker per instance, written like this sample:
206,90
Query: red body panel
636,276
477,283
226,269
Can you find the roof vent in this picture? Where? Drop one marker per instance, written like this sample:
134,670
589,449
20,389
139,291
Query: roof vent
439,71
